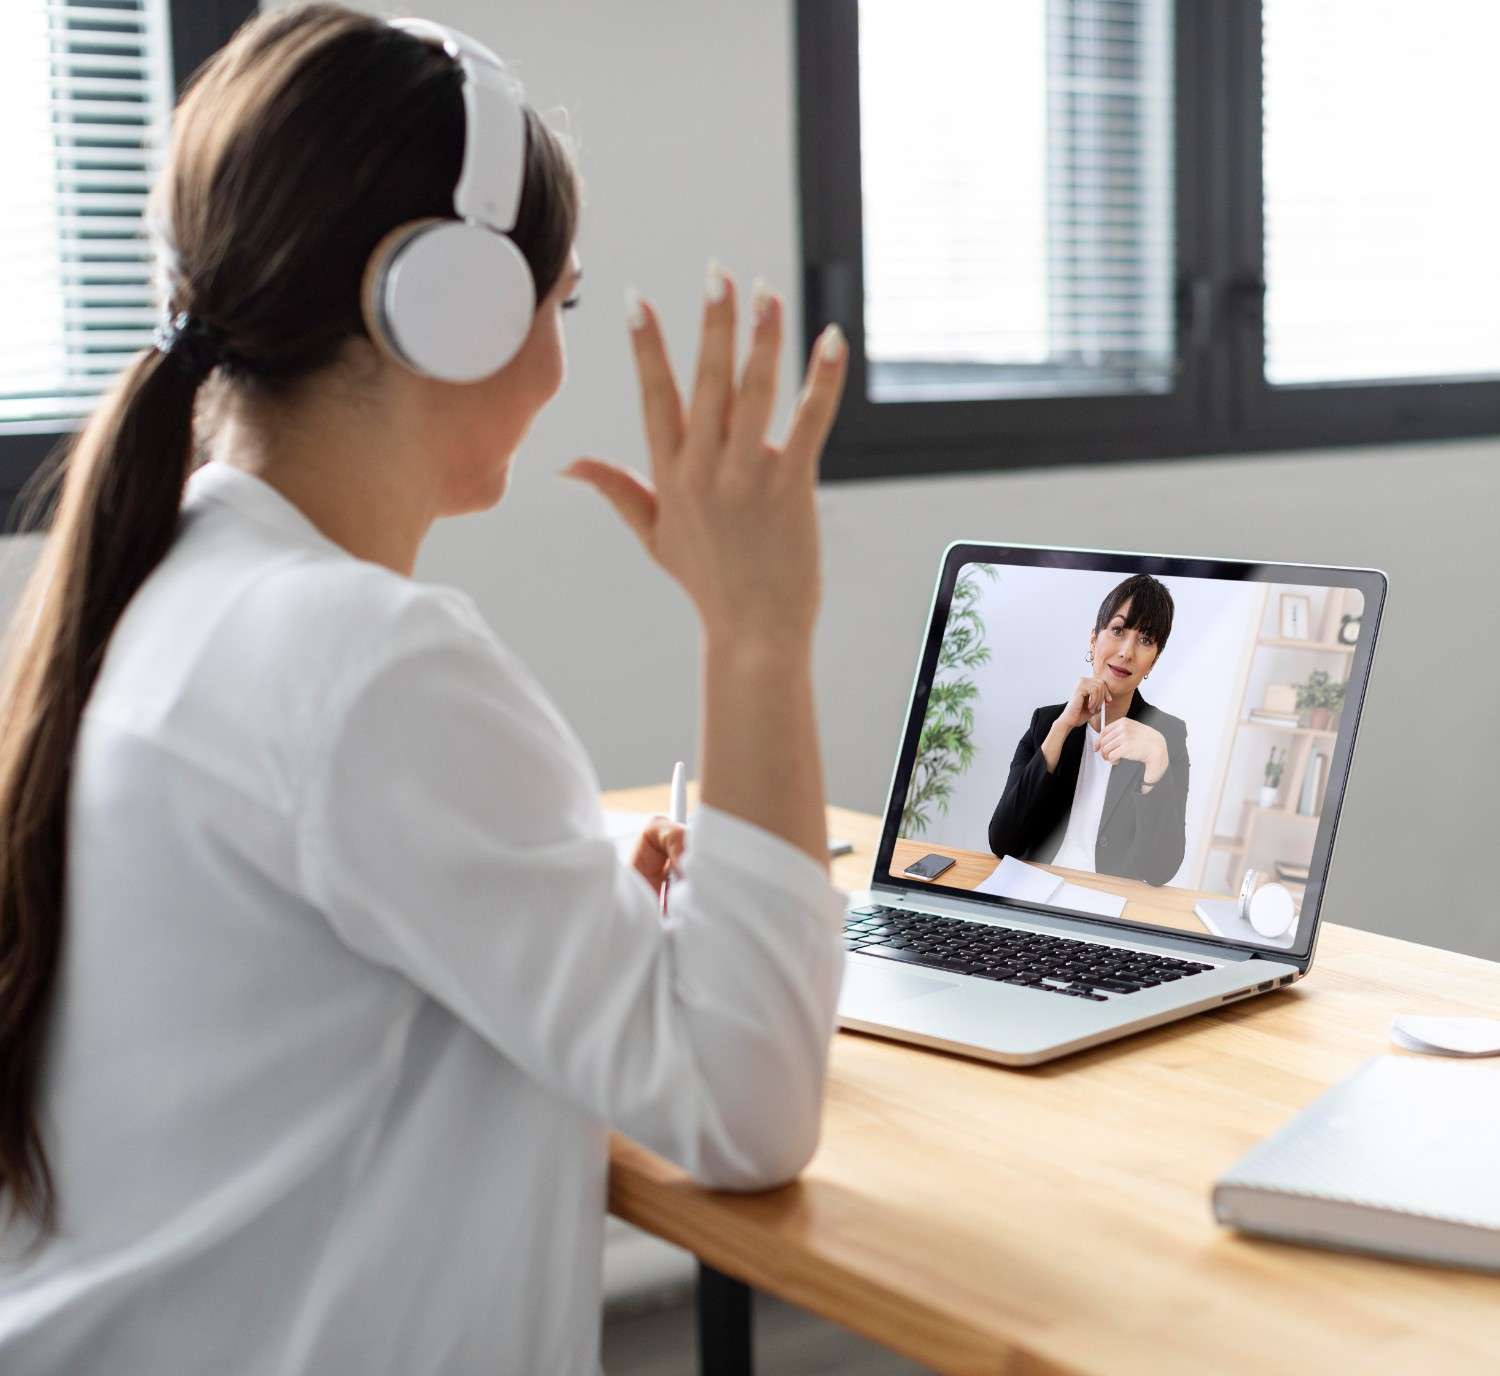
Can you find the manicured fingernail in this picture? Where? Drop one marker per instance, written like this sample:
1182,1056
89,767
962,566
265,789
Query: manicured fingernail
635,310
760,299
714,283
831,347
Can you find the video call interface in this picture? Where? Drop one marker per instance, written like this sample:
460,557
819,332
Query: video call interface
1149,749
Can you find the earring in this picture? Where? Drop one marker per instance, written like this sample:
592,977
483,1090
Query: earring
1088,656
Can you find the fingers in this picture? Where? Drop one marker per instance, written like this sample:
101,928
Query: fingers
627,492
708,412
819,402
661,404
757,394
660,848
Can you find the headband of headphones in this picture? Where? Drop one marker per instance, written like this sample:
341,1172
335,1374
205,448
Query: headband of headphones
494,166
454,299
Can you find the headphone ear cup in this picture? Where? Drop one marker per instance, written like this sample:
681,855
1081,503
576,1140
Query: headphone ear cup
372,285
448,299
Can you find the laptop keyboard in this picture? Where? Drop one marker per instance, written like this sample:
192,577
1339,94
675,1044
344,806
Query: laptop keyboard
1037,960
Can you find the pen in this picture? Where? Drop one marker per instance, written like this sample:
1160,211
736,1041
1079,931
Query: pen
678,814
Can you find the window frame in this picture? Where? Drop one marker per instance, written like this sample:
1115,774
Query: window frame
198,30
1221,404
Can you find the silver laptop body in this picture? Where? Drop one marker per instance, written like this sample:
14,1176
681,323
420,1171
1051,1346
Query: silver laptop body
916,999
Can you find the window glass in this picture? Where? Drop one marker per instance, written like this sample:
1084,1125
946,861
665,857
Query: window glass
1018,206
1382,207
85,94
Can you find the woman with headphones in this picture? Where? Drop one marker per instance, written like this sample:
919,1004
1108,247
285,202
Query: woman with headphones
320,983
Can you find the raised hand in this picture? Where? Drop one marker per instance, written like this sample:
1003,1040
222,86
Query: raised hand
728,514
732,518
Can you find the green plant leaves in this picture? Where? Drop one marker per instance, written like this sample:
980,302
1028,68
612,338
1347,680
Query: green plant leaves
945,748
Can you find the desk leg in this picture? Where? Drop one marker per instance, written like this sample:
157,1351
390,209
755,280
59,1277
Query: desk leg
724,1324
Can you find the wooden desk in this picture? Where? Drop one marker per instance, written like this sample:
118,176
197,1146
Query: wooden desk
1056,1219
1166,907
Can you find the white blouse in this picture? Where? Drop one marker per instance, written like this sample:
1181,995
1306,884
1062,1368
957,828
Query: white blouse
1079,849
353,984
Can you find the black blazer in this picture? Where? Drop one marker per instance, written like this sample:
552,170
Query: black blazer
1141,836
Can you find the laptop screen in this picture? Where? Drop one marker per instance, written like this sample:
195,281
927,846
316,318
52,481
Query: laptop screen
1135,738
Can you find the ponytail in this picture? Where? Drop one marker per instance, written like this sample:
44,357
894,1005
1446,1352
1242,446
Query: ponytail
116,517
295,151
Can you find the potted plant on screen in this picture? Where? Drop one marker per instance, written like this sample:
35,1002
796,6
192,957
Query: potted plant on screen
1318,698
1275,763
945,748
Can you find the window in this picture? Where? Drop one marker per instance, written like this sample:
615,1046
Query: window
86,89
1018,240
1089,229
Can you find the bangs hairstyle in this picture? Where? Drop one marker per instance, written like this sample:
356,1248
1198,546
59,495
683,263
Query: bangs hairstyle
1151,608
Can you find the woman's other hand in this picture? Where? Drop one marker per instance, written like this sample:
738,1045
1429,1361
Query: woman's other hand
658,851
1132,740
727,514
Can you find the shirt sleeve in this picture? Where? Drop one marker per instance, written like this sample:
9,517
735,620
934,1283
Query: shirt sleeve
1032,798
452,831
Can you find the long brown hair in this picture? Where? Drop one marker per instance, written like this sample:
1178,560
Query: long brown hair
294,151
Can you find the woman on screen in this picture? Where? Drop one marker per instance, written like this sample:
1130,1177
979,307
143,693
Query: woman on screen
1113,802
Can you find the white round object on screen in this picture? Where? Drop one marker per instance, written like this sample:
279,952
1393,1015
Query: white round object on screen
1272,910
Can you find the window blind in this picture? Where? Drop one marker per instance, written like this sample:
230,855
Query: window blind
1381,205
85,96
1017,195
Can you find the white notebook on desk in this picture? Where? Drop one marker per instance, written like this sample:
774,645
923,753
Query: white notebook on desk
1398,1159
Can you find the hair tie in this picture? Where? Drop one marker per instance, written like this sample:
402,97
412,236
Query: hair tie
191,345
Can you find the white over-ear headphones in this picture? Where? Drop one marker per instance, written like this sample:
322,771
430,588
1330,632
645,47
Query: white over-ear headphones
454,299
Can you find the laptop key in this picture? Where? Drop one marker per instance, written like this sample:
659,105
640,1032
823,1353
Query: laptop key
894,953
1119,986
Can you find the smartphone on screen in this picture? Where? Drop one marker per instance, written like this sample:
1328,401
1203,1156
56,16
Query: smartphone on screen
930,866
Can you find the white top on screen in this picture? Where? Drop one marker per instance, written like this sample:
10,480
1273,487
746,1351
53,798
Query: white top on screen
1080,842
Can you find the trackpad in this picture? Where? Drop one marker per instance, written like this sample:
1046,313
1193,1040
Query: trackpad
867,988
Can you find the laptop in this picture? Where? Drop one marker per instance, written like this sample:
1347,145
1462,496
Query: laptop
1115,799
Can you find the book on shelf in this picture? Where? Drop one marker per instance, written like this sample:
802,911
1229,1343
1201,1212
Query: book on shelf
1290,871
1274,718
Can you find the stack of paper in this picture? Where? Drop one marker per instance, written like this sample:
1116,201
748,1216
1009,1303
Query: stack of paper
1025,883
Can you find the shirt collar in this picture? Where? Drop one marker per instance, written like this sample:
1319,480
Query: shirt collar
256,498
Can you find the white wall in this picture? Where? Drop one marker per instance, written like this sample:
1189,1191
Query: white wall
685,112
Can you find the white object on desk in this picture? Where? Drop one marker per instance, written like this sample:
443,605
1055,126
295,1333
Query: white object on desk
1398,1159
1447,1036
1222,917
1013,878
1273,910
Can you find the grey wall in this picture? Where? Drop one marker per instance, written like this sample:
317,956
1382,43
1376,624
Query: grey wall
684,110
